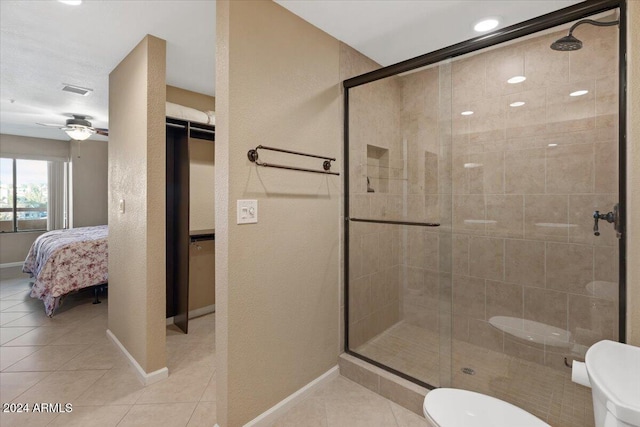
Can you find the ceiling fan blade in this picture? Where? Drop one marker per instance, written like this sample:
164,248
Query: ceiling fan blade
51,125
102,131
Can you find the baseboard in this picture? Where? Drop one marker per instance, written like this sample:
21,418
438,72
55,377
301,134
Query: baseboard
145,378
196,313
202,311
11,264
268,417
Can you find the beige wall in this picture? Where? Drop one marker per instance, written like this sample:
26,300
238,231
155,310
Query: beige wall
277,292
222,216
15,246
89,183
137,175
201,184
37,147
633,174
191,99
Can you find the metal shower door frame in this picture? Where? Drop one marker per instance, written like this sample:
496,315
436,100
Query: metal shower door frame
532,26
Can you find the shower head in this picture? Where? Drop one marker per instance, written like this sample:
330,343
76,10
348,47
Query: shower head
569,43
566,43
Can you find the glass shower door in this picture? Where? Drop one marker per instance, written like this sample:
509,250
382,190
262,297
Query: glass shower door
399,233
535,154
511,150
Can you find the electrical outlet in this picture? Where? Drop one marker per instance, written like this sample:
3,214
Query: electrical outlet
247,211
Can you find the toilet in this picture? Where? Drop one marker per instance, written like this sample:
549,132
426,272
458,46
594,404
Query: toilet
614,376
450,407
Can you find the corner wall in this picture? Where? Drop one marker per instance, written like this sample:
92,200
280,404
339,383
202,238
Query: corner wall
89,175
277,292
137,164
633,172
190,99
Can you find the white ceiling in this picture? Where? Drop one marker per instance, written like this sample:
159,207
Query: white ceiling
390,31
44,44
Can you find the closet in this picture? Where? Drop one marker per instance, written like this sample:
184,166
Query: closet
189,254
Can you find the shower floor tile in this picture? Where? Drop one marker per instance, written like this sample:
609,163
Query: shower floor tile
546,392
406,348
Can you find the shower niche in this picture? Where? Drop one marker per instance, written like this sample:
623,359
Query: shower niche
377,169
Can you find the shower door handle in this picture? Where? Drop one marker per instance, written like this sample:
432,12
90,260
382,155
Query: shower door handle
610,217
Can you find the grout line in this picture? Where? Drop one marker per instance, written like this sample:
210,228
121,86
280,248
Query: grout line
193,411
125,415
393,414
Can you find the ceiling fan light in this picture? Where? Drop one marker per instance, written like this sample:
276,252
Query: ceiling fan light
79,133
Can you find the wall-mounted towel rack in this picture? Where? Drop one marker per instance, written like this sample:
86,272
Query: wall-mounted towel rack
326,165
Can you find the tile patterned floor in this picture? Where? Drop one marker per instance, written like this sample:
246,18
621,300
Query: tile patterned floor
343,403
69,359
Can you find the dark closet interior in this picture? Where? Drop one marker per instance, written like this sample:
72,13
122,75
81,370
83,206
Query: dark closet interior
178,237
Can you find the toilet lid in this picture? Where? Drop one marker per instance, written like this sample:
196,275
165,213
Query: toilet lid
450,407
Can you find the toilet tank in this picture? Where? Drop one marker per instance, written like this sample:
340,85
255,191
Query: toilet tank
614,373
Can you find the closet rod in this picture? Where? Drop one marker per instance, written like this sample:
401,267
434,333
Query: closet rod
174,125
202,130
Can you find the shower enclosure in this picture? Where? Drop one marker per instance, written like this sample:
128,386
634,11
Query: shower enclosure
473,176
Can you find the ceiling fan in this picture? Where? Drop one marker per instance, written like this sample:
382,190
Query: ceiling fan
79,127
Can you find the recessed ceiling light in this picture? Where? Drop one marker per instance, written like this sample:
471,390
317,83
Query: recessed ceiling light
516,79
71,2
486,25
516,104
553,145
579,93
467,113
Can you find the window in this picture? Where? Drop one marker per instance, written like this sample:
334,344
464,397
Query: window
32,195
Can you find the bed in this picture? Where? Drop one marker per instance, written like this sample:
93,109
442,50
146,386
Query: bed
63,261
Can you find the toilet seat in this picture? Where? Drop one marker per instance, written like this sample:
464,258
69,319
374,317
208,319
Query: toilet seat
450,407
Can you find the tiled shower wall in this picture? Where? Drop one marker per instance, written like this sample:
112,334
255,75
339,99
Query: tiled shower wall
514,189
526,181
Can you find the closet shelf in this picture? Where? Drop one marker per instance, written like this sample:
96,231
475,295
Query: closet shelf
202,235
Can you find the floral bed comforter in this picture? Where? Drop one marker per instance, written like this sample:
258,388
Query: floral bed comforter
63,261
